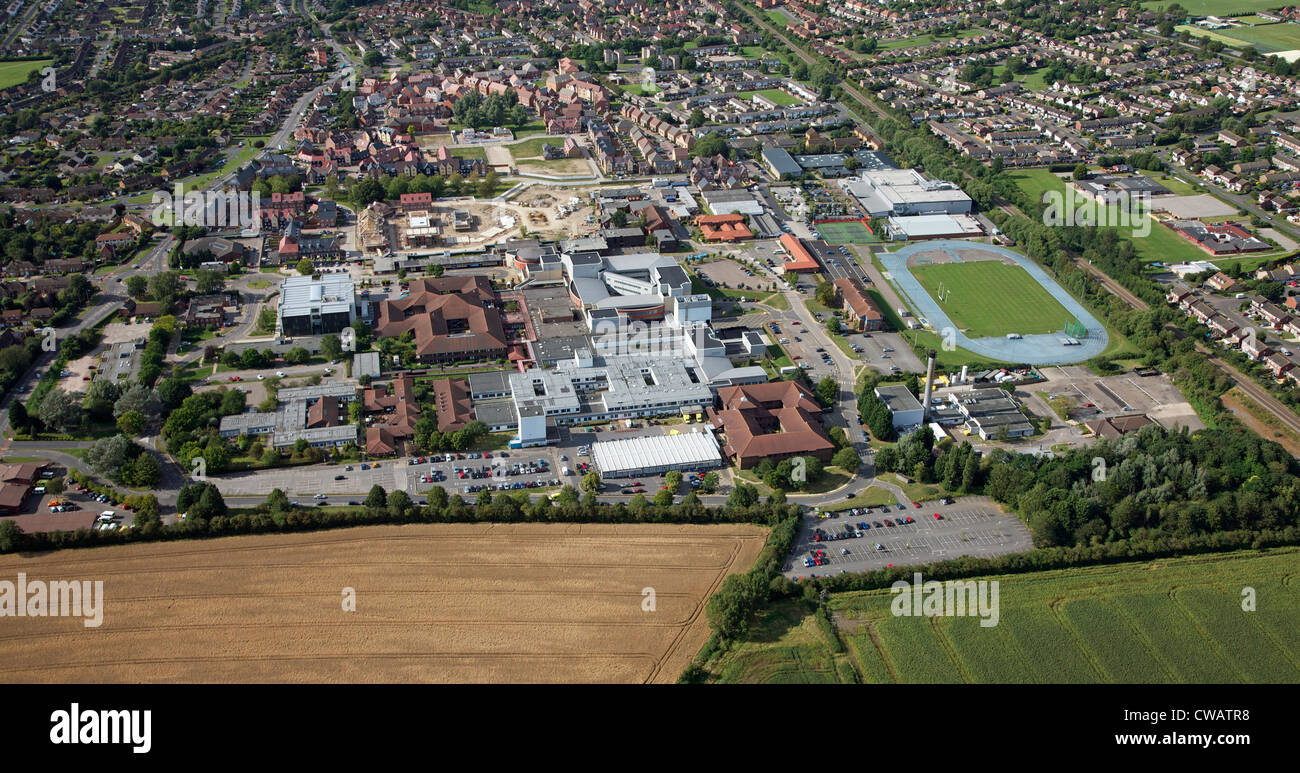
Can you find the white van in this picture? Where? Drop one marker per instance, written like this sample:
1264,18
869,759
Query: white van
107,516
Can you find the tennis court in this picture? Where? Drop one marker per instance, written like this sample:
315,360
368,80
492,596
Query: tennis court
846,232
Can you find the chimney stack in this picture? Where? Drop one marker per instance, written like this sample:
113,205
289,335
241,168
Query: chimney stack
929,384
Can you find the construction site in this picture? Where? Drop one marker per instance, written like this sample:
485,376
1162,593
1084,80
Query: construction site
469,224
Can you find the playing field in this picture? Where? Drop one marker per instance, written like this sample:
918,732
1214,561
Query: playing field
13,73
1217,7
433,603
988,298
847,232
1266,38
1168,621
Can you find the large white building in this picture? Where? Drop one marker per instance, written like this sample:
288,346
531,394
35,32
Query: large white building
886,192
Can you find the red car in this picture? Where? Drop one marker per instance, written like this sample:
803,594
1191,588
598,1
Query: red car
938,517
909,519
917,505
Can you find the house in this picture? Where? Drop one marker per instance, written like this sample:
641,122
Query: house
861,311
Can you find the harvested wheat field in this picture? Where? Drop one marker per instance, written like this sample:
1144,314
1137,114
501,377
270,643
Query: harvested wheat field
434,603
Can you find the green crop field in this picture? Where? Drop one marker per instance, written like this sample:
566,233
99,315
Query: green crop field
988,298
1169,621
14,73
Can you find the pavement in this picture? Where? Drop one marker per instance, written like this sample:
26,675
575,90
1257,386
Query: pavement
971,526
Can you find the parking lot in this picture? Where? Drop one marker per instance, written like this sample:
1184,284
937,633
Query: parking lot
36,514
971,526
344,483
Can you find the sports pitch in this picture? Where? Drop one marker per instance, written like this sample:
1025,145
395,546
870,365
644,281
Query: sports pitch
847,232
988,298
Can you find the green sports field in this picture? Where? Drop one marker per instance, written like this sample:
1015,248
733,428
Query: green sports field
1168,621
1216,7
1266,38
848,232
988,298
14,73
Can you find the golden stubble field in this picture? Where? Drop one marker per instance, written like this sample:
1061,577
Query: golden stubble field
434,603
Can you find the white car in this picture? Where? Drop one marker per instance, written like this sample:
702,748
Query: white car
261,377
280,373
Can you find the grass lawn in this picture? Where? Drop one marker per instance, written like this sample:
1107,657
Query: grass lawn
13,73
1266,38
987,298
496,441
468,151
1176,620
781,98
1160,244
576,167
776,301
259,284
638,89
1217,7
873,496
532,148
1177,186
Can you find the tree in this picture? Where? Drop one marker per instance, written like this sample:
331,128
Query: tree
372,58
11,536
398,503
828,389
711,144
591,483
55,486
297,356
672,481
137,286
664,497
163,288
305,267
1080,171
277,501
710,482
331,347
140,399
833,324
377,498
60,411
743,495
100,397
697,119
18,418
131,423
207,282
107,455
825,294
846,459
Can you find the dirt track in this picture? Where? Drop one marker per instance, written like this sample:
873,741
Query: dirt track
471,603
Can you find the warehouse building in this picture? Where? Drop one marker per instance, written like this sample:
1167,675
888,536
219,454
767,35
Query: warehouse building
914,227
989,411
890,192
903,404
655,454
